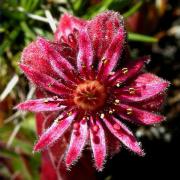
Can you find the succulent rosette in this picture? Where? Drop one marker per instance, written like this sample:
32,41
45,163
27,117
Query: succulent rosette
90,88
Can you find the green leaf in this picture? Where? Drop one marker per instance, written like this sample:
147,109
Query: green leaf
28,32
141,38
134,9
100,7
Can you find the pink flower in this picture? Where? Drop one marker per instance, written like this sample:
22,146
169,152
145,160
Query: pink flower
91,85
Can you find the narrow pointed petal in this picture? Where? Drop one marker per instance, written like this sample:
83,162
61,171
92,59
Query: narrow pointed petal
77,142
98,144
54,132
85,54
67,24
120,131
112,54
33,57
153,104
44,81
139,116
102,30
40,105
129,71
59,64
144,87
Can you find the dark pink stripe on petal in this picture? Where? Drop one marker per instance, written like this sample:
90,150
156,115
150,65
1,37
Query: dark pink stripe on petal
102,30
120,131
54,132
129,71
98,144
59,64
139,116
85,54
145,86
153,104
40,105
112,54
77,142
44,81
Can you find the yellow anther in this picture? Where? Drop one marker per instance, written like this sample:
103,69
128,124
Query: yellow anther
117,101
83,65
86,118
69,113
111,73
111,111
55,97
57,120
118,84
50,84
102,116
104,60
129,111
124,70
45,100
131,91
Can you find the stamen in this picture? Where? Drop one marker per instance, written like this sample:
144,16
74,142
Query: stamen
104,60
46,100
60,117
116,102
102,116
111,73
111,111
118,84
83,65
129,111
85,118
124,70
50,84
69,113
131,91
55,97
57,120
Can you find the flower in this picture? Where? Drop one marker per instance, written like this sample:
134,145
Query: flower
92,86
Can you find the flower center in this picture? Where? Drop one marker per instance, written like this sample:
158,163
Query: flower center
90,95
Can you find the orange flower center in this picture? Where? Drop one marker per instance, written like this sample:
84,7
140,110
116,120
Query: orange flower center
90,95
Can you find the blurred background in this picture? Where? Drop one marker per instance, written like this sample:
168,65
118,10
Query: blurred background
153,27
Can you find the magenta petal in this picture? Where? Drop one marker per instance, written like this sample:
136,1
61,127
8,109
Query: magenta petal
98,144
120,131
102,30
129,71
139,116
146,86
77,143
59,64
153,104
44,81
85,54
112,54
34,57
67,24
54,132
39,105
